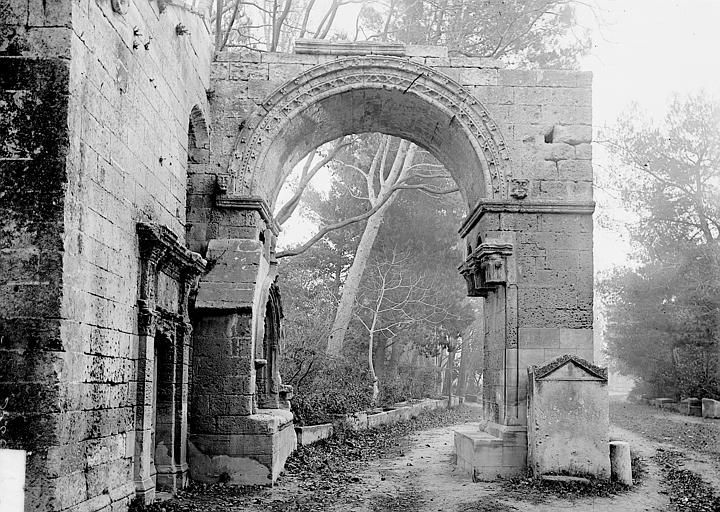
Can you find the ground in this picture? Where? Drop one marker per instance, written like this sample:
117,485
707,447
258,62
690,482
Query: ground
410,467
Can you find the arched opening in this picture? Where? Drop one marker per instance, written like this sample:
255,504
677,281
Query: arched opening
268,375
199,198
367,95
371,94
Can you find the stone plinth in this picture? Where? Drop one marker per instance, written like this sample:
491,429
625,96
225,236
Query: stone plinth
710,408
254,454
568,424
491,452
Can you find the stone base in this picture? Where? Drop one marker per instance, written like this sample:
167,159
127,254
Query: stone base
145,490
254,455
171,478
494,451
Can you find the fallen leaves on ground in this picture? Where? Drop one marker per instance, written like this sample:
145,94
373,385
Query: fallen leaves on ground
320,475
663,426
687,491
535,490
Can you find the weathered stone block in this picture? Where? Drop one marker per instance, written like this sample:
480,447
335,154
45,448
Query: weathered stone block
621,462
710,408
568,424
573,134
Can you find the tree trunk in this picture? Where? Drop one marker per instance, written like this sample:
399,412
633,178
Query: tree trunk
464,361
379,356
400,169
396,351
373,376
352,281
448,376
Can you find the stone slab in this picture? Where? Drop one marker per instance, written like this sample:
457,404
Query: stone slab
310,434
565,479
568,418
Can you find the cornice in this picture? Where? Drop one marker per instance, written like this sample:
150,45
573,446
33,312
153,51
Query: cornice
504,206
231,202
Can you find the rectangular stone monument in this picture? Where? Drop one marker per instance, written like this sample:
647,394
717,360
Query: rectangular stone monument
710,408
568,423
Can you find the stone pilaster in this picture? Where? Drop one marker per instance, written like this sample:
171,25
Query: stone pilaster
532,261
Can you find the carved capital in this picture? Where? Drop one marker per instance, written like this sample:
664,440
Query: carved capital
486,268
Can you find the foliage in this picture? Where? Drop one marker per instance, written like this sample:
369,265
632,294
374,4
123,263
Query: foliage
407,383
540,33
340,387
664,314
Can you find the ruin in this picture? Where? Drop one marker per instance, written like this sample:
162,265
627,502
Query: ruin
142,314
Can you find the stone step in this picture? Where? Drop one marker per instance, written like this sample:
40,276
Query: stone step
486,457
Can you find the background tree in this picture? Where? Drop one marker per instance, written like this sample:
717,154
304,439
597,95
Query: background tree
539,33
664,314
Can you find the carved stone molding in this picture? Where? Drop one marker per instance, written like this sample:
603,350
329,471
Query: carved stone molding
321,47
119,6
161,246
486,268
258,204
366,72
161,252
501,206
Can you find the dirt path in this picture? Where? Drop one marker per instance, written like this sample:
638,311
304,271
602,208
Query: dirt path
426,479
411,468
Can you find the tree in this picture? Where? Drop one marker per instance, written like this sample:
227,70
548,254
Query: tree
540,33
393,298
668,176
273,25
525,29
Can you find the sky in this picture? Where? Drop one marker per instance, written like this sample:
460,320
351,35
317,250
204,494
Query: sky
643,51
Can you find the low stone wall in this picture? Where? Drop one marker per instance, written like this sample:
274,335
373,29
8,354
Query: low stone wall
362,420
710,408
688,406
313,433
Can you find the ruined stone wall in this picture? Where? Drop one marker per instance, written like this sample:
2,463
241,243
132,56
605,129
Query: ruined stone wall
108,98
525,105
33,103
544,118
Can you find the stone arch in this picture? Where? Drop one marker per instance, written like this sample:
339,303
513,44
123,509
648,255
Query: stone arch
371,94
